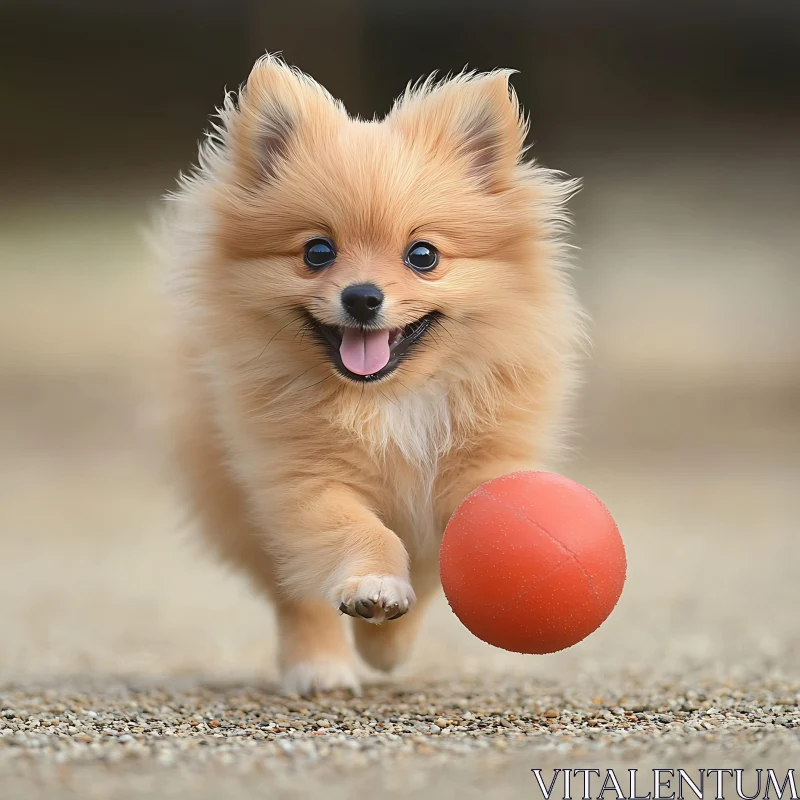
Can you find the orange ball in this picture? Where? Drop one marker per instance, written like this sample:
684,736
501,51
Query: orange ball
532,562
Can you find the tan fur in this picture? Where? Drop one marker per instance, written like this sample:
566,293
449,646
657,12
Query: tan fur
323,490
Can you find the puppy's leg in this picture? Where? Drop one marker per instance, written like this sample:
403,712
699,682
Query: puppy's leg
340,549
386,647
313,652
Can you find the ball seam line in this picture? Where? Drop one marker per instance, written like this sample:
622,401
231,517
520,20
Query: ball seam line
546,533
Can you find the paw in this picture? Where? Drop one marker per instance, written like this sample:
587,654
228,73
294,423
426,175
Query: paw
315,676
376,598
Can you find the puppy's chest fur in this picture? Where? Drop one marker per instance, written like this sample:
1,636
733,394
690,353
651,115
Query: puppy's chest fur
406,442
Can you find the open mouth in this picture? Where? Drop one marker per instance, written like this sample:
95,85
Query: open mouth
365,355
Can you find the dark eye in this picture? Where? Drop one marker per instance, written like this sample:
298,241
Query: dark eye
422,256
319,253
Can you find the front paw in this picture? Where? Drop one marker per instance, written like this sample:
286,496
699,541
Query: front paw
307,678
376,598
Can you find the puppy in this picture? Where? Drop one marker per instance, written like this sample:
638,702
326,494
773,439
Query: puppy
374,317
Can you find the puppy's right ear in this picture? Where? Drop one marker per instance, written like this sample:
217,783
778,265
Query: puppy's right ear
278,106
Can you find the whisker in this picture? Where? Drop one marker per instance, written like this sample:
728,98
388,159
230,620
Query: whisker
286,386
306,388
407,388
386,397
269,342
482,322
360,398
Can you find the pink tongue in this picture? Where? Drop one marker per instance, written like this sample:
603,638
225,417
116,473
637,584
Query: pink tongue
364,352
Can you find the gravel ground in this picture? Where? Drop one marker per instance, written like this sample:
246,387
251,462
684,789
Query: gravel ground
169,738
203,724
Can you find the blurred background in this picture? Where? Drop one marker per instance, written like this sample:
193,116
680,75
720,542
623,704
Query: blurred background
682,118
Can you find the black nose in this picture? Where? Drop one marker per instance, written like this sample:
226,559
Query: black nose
362,301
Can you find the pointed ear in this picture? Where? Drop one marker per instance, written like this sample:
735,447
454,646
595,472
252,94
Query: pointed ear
277,105
477,116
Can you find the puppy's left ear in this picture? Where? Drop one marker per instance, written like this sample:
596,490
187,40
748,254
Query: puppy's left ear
476,117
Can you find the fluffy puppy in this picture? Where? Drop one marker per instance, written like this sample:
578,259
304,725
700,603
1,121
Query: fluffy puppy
374,318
